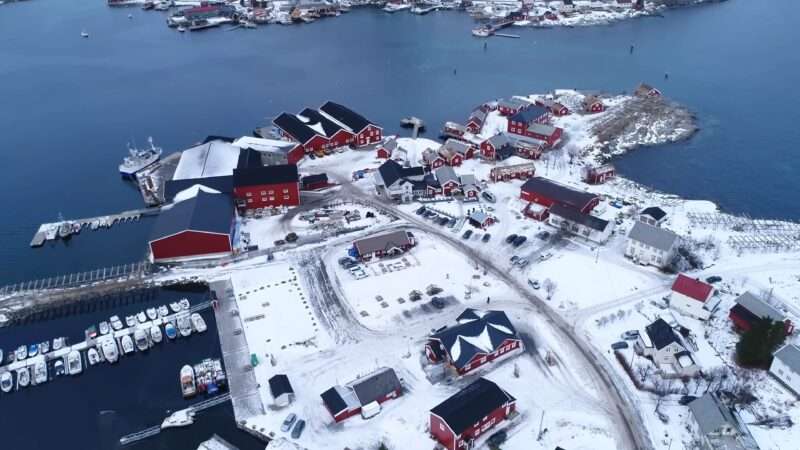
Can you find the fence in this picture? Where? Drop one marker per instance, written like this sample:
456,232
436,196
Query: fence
125,271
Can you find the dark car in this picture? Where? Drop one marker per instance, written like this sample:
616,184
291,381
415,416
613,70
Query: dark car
279,242
298,429
451,223
443,221
421,210
291,237
467,234
437,303
686,399
619,345
486,237
510,238
496,439
519,240
713,279
543,235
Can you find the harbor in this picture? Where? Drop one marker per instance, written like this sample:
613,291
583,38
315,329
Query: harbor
65,229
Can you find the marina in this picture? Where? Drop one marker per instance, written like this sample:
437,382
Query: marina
64,229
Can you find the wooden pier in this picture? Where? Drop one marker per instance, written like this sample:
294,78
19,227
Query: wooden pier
413,122
49,231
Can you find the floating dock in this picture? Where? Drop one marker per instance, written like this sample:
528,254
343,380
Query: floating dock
49,231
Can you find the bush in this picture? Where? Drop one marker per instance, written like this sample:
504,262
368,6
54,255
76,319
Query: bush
756,345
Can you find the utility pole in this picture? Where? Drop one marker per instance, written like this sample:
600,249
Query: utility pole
541,422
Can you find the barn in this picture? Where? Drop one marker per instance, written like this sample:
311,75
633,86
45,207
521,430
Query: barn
364,131
198,227
266,186
749,309
470,413
346,401
479,338
547,193
382,245
289,125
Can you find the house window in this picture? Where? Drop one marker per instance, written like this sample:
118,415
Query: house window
272,199
263,199
286,197
441,427
271,192
249,194
263,192
286,191
249,200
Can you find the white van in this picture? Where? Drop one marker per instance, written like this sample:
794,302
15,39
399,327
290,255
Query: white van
370,410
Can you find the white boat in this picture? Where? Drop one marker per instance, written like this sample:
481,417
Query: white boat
84,34
181,28
93,356
130,320
33,350
249,25
141,317
6,382
104,328
184,302
198,323
1,357
394,7
21,353
184,326
127,344
155,333
188,387
175,307
40,372
161,6
74,362
151,313
116,323
140,338
23,377
481,32
139,159
58,343
110,349
182,418
170,330
44,347
163,311
58,367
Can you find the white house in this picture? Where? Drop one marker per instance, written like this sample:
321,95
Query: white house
692,297
660,342
786,367
653,215
397,182
650,245
571,220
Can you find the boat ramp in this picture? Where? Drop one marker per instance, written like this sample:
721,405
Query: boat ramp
66,228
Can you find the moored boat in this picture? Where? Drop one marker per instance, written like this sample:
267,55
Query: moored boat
184,302
58,367
44,347
74,362
110,349
40,371
93,356
91,332
184,326
104,328
198,323
130,320
127,344
175,307
59,342
21,353
139,159
155,334
163,311
140,338
188,387
116,323
6,381
23,377
33,350
170,330
141,317
151,313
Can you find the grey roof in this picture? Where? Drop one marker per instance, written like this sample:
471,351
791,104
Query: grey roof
390,144
499,140
655,212
457,146
444,174
478,114
759,307
653,236
212,213
429,155
790,355
376,385
512,103
467,179
279,385
574,215
710,414
542,128
384,242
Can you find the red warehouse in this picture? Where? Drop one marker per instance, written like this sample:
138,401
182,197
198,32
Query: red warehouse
598,175
547,133
749,309
547,193
198,227
346,401
292,127
267,186
459,421
479,338
511,107
520,121
364,131
338,135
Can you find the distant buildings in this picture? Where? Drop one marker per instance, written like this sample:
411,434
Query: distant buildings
692,297
645,90
650,245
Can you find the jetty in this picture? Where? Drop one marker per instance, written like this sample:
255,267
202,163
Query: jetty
51,231
492,28
413,122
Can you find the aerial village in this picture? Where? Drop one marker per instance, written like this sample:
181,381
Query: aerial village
196,15
416,293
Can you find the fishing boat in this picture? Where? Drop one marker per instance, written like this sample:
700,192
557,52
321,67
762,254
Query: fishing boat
59,368
198,323
91,332
65,230
33,350
21,353
181,418
84,34
394,7
155,334
141,317
139,159
151,313
130,320
184,326
148,5
140,338
104,328
59,342
482,31
110,350
6,382
184,302
40,372
93,356
175,307
116,323
162,6
163,311
23,377
127,344
74,362
44,347
181,28
170,330
188,387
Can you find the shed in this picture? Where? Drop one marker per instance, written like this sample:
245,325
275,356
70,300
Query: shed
281,390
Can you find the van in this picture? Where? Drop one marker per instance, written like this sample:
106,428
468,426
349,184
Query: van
370,410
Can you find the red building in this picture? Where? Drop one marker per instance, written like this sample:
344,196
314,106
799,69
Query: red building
456,346
346,401
534,129
476,120
198,227
455,130
555,108
432,160
386,149
511,107
515,172
470,413
292,127
338,135
267,186
593,104
497,148
364,131
749,309
547,193
314,182
383,245
598,175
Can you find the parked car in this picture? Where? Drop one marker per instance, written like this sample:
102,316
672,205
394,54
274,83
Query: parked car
288,422
522,262
298,429
486,237
510,238
619,345
279,242
713,279
467,234
514,259
543,235
421,210
496,439
630,335
443,221
488,196
533,283
686,399
519,240
451,223
291,237
437,303
545,256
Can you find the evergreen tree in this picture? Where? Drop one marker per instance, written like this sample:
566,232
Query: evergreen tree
756,345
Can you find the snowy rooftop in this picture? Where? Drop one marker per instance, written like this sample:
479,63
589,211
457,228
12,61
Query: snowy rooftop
212,159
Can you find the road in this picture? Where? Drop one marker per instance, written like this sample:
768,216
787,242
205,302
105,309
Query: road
626,418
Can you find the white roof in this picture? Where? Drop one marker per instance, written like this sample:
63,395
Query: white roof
212,159
191,192
261,144
317,127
